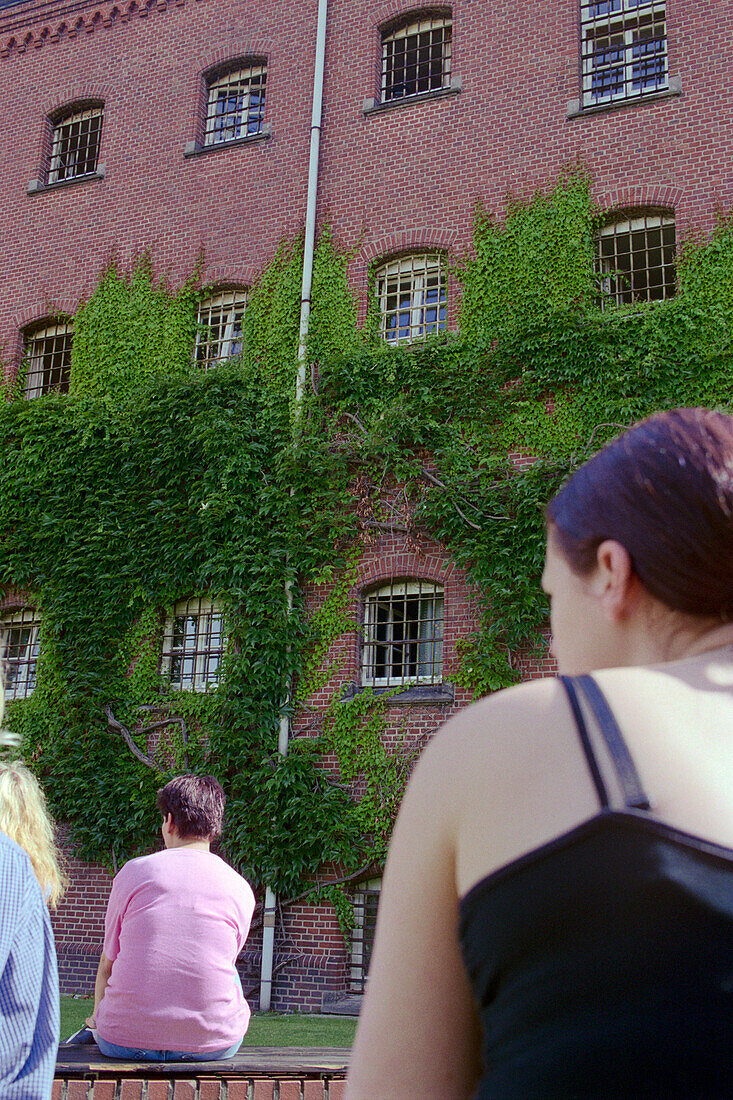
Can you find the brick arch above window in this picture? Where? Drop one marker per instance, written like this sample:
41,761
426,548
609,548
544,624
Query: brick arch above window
663,196
39,314
75,95
402,565
389,246
383,16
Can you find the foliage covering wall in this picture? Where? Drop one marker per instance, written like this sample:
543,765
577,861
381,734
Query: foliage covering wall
151,482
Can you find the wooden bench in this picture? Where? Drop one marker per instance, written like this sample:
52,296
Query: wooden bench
256,1073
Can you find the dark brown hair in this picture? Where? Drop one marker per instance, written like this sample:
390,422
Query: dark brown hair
196,803
664,490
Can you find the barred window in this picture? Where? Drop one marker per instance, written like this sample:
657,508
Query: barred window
75,144
193,645
47,358
236,106
411,295
219,327
635,259
19,632
416,57
624,49
403,635
366,904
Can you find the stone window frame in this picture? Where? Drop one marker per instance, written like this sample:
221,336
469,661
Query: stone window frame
233,300
194,648
49,337
395,28
18,618
613,240
406,268
376,653
362,932
635,71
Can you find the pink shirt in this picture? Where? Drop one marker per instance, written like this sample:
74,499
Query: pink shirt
175,923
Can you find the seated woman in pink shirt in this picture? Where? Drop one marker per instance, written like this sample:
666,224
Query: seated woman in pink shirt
167,988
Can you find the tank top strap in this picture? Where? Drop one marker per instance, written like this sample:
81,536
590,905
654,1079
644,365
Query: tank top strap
568,682
633,792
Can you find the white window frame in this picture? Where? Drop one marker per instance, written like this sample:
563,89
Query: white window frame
64,161
381,647
404,288
622,23
228,307
247,117
201,643
611,277
25,662
357,977
422,25
40,342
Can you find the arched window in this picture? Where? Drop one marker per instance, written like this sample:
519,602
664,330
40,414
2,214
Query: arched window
624,49
193,645
635,257
47,357
219,327
402,640
411,292
416,56
236,104
75,143
19,632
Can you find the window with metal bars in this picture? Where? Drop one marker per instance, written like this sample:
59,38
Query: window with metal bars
193,645
416,56
623,49
411,293
47,358
402,641
219,327
236,104
75,144
635,258
366,905
19,632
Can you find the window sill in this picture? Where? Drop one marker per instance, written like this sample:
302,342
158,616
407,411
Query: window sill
577,110
35,187
196,149
372,107
417,694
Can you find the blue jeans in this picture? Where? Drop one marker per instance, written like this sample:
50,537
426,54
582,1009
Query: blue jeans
113,1051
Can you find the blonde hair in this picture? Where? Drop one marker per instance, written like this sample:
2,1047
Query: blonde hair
25,819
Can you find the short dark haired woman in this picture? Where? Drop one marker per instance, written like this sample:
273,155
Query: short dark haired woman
557,911
167,988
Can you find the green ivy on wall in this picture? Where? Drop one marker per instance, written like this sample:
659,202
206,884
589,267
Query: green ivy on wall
152,482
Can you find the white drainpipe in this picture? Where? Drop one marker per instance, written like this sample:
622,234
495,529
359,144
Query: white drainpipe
268,930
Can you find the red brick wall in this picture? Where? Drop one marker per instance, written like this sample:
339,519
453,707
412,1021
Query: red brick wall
78,922
404,177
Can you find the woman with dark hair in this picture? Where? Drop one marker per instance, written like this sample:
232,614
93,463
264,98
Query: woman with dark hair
167,988
557,911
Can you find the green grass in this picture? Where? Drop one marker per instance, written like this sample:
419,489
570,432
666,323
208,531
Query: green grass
268,1030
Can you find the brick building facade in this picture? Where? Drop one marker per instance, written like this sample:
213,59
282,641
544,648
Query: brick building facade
124,131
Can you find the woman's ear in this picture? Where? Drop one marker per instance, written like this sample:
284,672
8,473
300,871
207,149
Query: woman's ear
616,583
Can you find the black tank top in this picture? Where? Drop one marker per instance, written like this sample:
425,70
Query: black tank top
602,961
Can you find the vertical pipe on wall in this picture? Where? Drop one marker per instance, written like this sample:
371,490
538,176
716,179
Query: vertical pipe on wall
268,929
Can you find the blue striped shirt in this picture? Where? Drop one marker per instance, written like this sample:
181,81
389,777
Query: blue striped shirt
29,985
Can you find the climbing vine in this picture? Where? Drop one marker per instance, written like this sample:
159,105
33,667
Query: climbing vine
152,482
